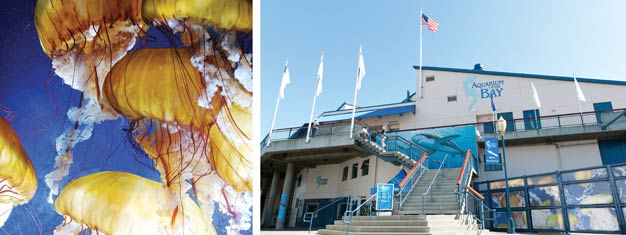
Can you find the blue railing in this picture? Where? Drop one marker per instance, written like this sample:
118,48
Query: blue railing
349,214
550,122
400,144
474,206
311,215
465,175
435,182
594,200
408,183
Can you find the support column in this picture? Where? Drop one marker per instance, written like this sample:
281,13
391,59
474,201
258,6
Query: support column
284,197
269,203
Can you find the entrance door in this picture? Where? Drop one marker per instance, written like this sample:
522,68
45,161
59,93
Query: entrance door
601,107
532,119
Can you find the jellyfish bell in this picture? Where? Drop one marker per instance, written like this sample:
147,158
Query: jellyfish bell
228,14
84,39
123,203
18,182
160,84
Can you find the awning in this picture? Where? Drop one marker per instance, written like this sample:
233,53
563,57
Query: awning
368,113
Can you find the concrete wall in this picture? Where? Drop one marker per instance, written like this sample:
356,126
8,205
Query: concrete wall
543,158
557,97
379,172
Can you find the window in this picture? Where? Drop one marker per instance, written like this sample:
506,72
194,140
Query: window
452,98
345,174
341,209
312,207
393,127
430,78
365,167
299,180
355,170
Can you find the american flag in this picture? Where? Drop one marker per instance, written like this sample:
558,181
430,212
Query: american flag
430,23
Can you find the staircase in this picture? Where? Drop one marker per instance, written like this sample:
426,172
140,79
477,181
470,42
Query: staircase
395,157
380,225
442,198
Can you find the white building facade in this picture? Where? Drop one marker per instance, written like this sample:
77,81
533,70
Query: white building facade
563,134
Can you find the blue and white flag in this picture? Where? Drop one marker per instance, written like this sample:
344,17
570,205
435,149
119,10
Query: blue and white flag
493,105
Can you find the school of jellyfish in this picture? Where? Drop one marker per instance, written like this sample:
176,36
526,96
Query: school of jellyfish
18,181
188,106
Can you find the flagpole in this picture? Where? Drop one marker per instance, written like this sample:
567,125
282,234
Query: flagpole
358,74
420,76
308,131
580,107
353,108
269,136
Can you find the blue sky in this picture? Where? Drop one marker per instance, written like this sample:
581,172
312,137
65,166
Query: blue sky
538,37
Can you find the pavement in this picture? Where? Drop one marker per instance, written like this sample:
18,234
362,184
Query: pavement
314,232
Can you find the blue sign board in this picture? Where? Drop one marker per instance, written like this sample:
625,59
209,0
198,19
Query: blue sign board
492,155
384,197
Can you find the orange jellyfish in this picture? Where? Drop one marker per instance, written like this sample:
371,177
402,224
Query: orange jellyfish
18,181
84,39
162,92
122,203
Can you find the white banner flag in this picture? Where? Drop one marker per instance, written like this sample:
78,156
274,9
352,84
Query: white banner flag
286,80
579,92
361,72
320,72
535,95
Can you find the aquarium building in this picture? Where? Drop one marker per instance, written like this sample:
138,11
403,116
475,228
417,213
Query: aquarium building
566,158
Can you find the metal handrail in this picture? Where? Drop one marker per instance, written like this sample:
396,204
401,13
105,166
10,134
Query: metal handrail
542,119
477,201
464,177
351,213
320,209
436,178
409,182
604,126
395,143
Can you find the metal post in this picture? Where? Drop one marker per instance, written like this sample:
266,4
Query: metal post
509,214
269,208
284,197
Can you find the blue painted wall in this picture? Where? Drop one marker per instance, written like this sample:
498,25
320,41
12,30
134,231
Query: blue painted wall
612,151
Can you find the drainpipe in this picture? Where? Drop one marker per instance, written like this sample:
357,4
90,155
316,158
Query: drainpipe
558,156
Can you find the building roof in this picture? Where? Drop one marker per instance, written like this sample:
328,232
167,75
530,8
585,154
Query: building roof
523,75
369,111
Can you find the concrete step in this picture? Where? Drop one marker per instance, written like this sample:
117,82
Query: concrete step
354,228
428,212
332,232
430,207
429,204
386,218
385,223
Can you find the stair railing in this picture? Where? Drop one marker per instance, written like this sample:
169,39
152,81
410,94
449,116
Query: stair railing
479,207
410,180
311,215
402,145
464,178
435,179
350,213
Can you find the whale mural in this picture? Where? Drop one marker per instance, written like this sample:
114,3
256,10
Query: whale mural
440,142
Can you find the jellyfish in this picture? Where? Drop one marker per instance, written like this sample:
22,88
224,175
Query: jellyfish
18,182
84,39
189,107
111,202
188,142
